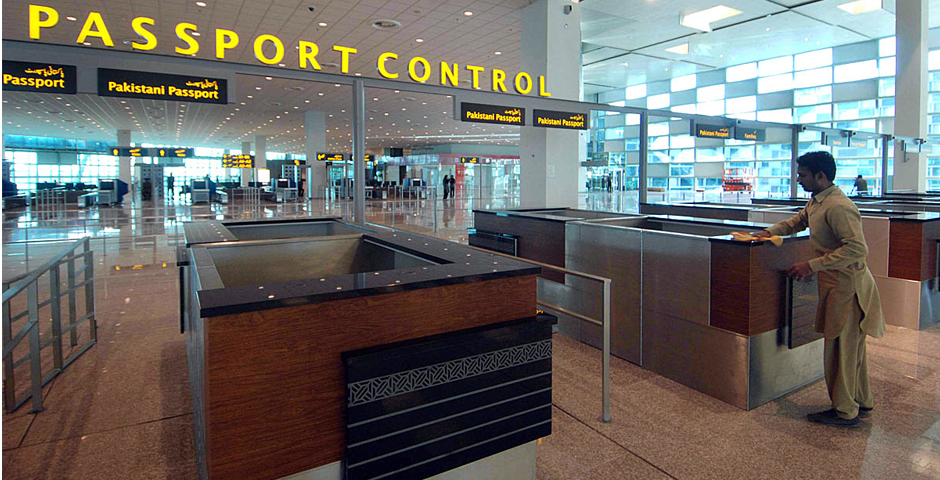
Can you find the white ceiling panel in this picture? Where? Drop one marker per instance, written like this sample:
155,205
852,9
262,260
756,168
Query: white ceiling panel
874,24
639,69
783,34
634,24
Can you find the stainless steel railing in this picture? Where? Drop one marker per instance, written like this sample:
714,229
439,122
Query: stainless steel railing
604,322
29,283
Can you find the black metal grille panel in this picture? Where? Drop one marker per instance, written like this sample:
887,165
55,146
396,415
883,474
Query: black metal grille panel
419,408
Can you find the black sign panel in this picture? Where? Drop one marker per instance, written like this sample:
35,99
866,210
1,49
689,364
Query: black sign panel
712,131
553,119
502,115
238,161
161,86
755,134
370,157
38,77
330,157
152,152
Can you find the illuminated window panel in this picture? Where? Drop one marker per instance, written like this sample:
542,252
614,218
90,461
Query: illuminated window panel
739,73
887,47
710,94
852,72
811,60
775,66
741,104
812,96
775,83
679,84
813,78
657,102
636,91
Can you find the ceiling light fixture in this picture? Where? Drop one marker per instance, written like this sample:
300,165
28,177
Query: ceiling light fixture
71,19
419,40
861,6
703,19
497,53
200,4
468,13
682,49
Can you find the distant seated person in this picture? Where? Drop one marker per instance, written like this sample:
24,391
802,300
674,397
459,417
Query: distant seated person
861,186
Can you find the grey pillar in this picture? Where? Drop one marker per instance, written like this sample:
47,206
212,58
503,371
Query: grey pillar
644,157
551,46
124,163
359,150
246,173
910,169
261,150
794,154
315,125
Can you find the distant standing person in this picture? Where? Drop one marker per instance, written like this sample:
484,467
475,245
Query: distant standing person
453,186
446,186
169,184
861,185
849,304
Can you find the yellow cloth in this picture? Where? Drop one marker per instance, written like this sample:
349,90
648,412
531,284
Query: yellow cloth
835,227
747,237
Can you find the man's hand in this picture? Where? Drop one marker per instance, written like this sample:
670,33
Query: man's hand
800,271
761,234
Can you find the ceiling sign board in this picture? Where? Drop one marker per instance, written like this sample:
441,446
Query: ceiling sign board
834,141
238,161
501,115
553,119
712,131
161,86
470,160
858,142
331,157
754,134
38,77
152,152
370,157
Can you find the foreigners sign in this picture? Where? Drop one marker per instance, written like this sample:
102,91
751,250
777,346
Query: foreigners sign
161,86
502,115
38,77
553,119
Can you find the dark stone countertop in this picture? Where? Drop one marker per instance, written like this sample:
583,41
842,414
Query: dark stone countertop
456,264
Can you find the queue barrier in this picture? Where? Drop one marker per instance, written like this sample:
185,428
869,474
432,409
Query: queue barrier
29,282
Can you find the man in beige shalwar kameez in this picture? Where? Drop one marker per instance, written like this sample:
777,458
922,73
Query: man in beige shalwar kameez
849,305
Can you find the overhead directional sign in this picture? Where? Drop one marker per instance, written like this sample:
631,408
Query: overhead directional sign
469,160
238,161
755,134
502,115
39,77
840,141
153,152
553,119
712,131
161,86
330,157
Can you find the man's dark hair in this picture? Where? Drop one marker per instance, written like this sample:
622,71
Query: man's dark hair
819,162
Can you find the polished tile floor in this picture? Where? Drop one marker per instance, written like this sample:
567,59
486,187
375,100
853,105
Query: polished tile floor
123,410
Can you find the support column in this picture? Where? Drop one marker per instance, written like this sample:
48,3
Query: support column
551,46
359,151
261,159
124,163
910,169
315,125
246,173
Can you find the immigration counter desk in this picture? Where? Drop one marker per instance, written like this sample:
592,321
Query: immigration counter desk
688,300
323,348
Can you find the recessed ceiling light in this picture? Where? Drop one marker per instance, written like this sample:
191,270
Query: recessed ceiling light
419,40
71,19
200,4
197,34
626,64
87,43
861,6
682,49
468,13
497,53
703,19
